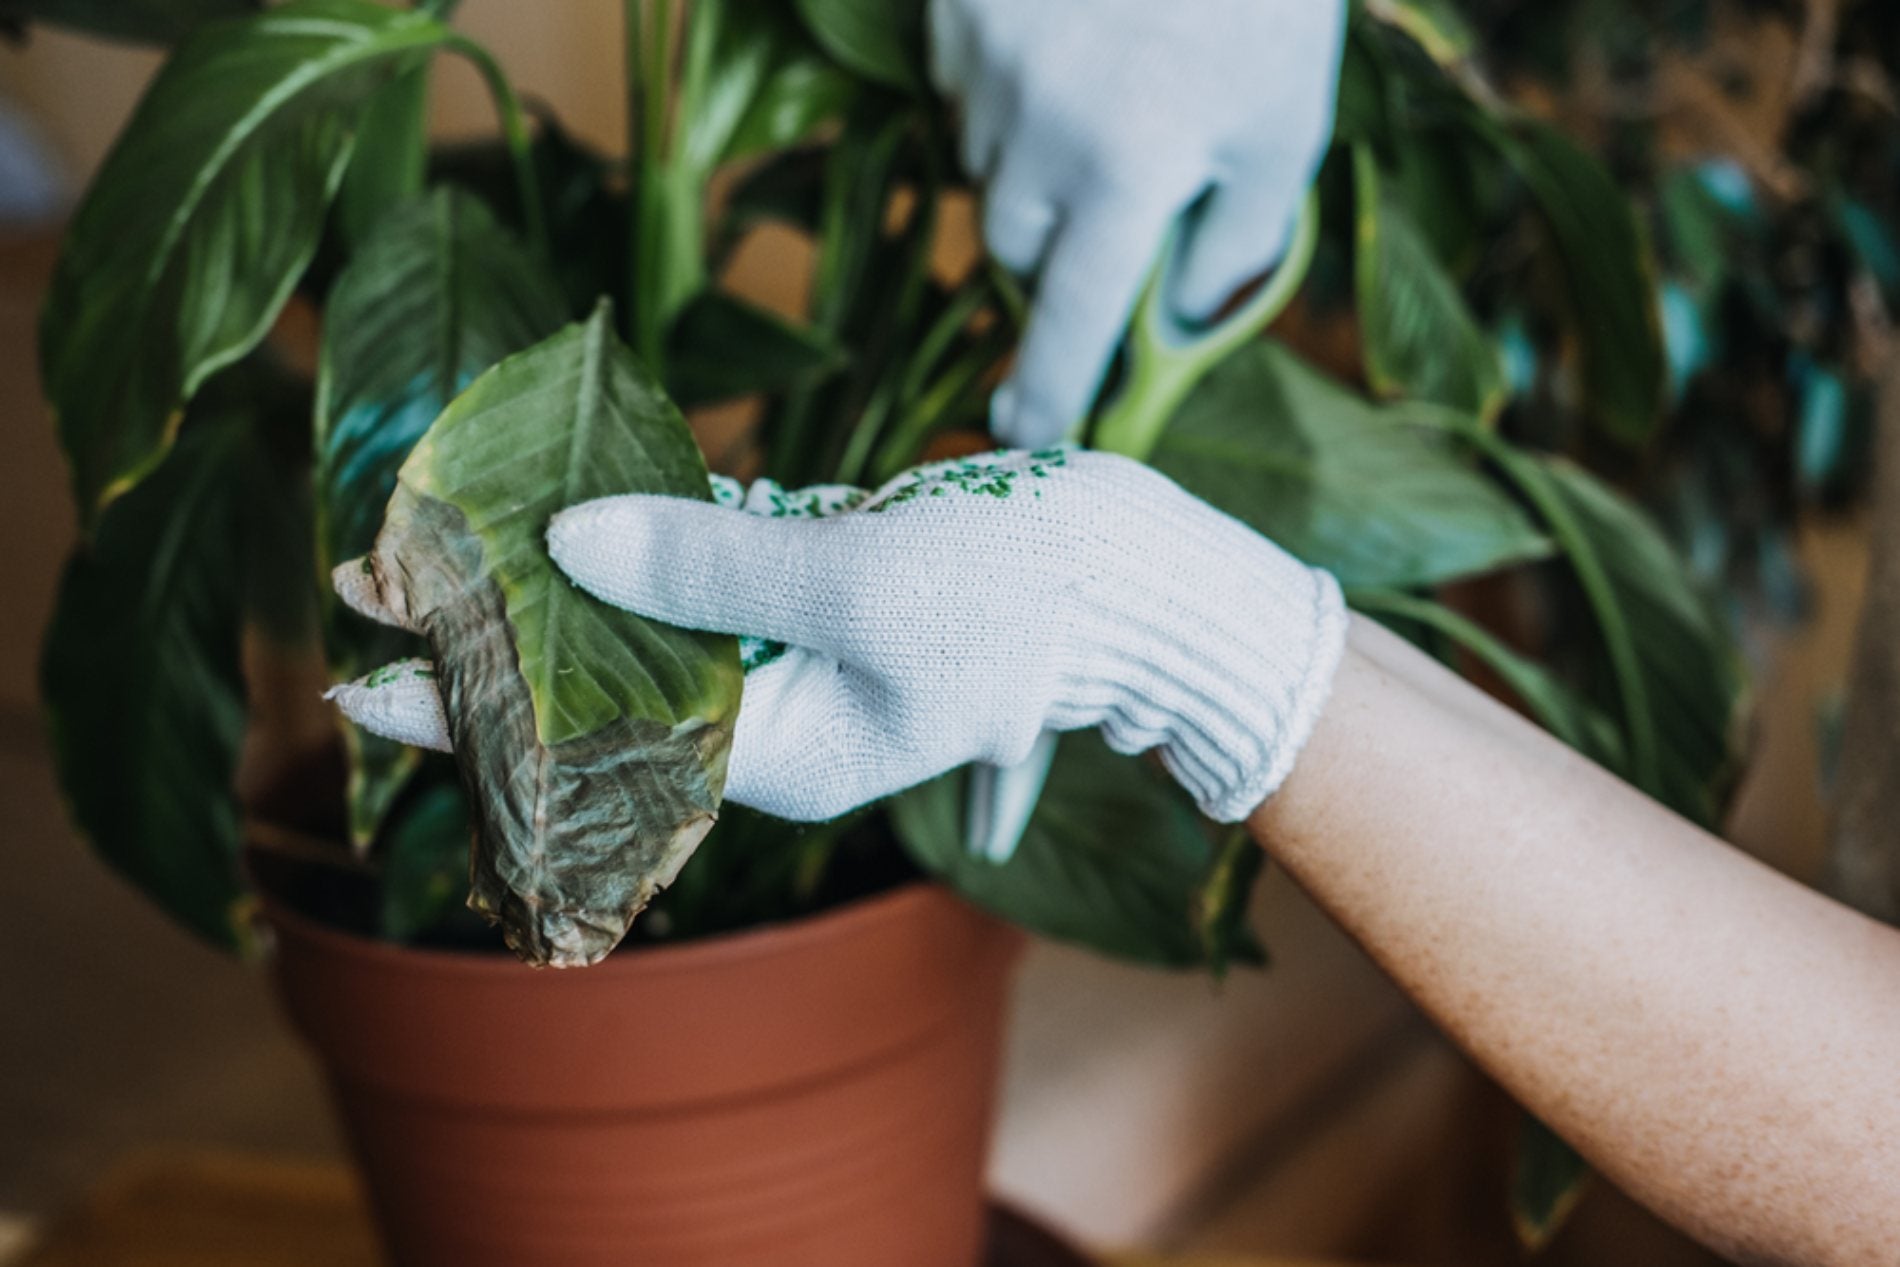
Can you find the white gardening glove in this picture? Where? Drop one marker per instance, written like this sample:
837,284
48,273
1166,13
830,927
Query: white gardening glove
1093,124
955,615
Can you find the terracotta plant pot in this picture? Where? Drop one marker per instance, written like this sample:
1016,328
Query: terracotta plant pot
818,1093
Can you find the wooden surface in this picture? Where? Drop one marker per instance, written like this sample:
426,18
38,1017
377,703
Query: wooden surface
204,1209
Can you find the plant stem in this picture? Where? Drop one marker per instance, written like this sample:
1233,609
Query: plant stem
633,74
1167,361
514,130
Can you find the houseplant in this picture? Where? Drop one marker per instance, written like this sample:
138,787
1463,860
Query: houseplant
283,153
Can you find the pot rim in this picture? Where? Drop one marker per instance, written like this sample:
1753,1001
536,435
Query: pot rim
841,922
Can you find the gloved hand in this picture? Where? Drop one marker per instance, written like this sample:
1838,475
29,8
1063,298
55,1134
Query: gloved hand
952,617
1093,124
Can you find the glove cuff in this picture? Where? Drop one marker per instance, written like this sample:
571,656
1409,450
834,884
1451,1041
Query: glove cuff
1291,709
1222,649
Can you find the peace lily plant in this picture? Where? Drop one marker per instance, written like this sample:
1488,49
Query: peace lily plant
282,154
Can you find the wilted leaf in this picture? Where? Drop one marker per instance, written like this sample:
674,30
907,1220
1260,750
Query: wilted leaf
592,743
437,294
203,217
1344,484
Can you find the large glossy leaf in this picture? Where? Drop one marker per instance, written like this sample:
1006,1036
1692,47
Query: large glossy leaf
1346,485
882,40
1420,339
437,294
201,220
592,742
1114,858
141,679
1609,274
154,21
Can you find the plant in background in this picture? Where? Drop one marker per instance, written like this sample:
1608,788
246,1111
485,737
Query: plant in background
1389,430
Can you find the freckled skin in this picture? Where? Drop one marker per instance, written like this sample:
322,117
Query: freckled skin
1715,1038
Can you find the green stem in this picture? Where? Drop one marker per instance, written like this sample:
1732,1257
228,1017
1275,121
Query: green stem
902,390
631,71
514,130
1166,362
954,391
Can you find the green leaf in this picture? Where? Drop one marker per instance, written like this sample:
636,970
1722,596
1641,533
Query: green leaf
1610,278
1690,684
724,347
201,220
425,863
1434,25
1420,339
141,679
1674,671
391,158
437,294
1222,905
150,21
1557,708
1349,486
1548,1178
755,83
883,40
1114,857
587,216
594,742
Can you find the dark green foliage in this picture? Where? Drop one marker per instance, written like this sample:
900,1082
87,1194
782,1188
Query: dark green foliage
147,21
1114,859
201,220
140,677
1374,496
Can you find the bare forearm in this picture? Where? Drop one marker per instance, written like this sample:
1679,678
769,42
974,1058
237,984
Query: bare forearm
1711,1035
